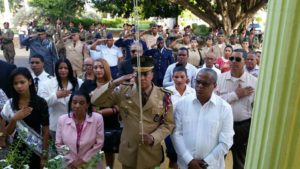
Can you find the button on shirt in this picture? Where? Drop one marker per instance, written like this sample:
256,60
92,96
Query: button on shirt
111,55
202,131
191,72
226,86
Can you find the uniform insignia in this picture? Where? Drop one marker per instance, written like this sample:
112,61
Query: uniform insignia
156,118
166,90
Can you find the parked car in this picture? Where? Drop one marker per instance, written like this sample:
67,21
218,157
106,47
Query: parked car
258,28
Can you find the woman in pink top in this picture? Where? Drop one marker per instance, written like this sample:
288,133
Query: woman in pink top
81,130
222,62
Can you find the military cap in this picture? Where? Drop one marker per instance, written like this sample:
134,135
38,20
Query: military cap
246,39
159,39
74,30
221,32
146,63
109,36
40,30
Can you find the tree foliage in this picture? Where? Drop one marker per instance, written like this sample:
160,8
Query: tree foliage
149,8
228,14
65,9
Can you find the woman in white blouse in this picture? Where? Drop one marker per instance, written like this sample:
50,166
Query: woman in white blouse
57,91
179,90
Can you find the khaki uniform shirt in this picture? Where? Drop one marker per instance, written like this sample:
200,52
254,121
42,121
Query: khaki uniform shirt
132,152
76,55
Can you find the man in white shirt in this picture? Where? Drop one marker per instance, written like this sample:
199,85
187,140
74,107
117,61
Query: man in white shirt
251,64
204,126
237,87
111,53
210,61
182,58
38,74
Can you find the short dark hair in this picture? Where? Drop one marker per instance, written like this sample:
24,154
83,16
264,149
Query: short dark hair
87,98
211,72
229,46
185,49
179,68
242,51
38,56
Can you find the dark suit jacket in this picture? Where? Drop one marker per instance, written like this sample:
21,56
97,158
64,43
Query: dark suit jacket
5,70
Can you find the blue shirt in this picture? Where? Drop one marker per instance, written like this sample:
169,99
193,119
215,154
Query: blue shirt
45,48
163,58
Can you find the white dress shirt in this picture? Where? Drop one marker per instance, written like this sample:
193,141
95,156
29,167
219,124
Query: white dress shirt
57,106
175,97
218,71
226,86
44,76
111,55
202,131
191,73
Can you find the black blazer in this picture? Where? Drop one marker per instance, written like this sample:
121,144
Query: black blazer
5,70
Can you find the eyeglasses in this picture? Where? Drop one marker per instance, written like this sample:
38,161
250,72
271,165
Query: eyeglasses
181,54
203,83
133,51
237,59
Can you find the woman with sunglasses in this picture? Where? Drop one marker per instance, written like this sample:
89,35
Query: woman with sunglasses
26,111
57,91
180,89
81,130
111,123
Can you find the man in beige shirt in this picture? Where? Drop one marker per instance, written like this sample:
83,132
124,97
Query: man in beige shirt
195,55
237,87
218,48
76,52
150,36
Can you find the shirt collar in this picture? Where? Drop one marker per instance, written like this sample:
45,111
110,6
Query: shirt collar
229,77
88,119
213,99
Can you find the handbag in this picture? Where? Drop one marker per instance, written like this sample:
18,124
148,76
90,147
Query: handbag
112,139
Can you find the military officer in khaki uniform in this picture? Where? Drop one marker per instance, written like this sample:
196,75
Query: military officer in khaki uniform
76,52
7,37
140,146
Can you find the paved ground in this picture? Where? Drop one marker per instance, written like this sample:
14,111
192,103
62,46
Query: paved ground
21,59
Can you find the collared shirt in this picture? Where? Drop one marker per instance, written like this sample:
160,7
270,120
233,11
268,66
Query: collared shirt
150,39
44,76
254,71
226,86
191,72
218,71
175,97
110,54
202,131
194,57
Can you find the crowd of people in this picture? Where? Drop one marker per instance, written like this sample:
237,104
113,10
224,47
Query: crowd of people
91,91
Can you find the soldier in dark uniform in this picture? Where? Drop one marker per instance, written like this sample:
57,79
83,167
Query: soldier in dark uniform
140,146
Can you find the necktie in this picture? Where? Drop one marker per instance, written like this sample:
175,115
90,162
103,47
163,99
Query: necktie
144,98
36,83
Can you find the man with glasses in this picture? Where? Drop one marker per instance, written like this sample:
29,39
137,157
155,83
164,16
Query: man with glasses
88,73
140,146
38,73
204,126
182,58
237,87
39,44
210,61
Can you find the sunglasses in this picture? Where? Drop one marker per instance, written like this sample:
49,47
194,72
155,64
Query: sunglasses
237,59
203,83
133,51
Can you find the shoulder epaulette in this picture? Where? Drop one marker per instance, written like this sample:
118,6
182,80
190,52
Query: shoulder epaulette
166,90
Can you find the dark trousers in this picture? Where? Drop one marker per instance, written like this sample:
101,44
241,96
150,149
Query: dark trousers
240,142
114,72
